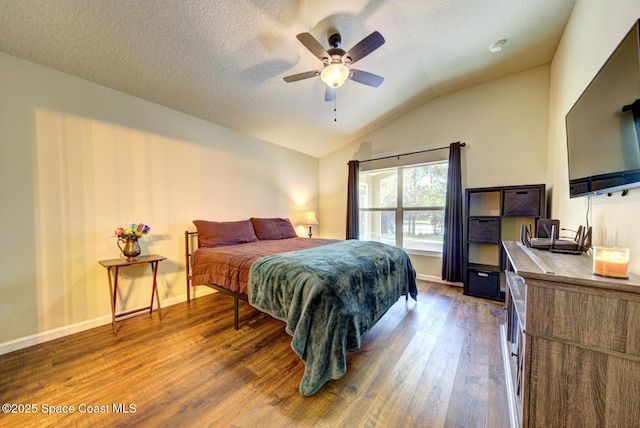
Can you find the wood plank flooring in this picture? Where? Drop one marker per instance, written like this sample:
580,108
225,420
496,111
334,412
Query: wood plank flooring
435,363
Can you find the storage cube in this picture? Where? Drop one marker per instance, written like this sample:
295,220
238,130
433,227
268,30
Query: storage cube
483,283
484,230
522,202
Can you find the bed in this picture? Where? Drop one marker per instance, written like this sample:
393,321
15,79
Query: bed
329,293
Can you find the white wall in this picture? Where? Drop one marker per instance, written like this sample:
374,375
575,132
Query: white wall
504,123
78,160
594,30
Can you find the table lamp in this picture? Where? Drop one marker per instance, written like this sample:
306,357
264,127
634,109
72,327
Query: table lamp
310,219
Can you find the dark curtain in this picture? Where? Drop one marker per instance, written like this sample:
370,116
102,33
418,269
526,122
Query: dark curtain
353,216
453,237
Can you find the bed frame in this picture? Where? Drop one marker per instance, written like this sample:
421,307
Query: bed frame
192,243
189,250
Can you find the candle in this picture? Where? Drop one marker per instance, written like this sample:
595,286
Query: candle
610,261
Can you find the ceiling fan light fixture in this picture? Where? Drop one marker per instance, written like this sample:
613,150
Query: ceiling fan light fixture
334,75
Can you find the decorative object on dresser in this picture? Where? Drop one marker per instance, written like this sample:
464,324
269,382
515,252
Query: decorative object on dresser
611,261
309,220
570,342
496,214
328,292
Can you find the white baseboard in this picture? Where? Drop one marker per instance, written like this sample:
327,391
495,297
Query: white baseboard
437,279
56,333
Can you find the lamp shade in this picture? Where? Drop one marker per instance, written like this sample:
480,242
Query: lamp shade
310,218
334,75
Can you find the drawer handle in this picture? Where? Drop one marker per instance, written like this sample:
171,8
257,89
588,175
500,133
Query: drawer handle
521,193
483,274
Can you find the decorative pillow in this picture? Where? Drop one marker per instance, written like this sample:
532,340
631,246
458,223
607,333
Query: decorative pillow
273,228
216,234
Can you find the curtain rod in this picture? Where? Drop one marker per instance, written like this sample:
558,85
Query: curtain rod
411,153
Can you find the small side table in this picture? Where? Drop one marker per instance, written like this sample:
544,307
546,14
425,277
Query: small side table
113,266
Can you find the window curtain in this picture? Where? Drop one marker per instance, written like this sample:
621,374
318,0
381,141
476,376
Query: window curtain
353,217
452,261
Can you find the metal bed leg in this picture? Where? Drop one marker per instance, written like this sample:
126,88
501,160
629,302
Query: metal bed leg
188,264
235,312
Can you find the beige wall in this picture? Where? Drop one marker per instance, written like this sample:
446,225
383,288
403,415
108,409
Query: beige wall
594,30
503,122
78,159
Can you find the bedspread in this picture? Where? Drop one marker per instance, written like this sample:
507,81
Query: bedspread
329,298
228,266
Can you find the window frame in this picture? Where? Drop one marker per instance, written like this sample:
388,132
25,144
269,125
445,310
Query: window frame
400,209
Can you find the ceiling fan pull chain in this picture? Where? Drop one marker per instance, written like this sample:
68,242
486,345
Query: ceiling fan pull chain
335,109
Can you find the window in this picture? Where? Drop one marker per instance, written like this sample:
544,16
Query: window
412,196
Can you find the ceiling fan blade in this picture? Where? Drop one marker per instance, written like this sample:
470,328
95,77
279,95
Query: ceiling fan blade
301,76
366,78
313,45
330,94
367,45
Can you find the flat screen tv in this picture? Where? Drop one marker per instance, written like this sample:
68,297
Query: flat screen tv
603,126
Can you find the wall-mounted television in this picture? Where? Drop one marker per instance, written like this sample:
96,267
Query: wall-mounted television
603,126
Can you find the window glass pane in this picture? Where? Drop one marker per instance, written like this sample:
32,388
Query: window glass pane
421,188
363,193
379,189
378,226
423,230
424,185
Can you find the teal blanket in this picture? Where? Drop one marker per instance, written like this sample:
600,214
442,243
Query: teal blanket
330,297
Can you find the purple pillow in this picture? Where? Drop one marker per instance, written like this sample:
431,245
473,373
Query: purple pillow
273,228
216,234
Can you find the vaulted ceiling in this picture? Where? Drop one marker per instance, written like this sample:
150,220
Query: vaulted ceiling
224,61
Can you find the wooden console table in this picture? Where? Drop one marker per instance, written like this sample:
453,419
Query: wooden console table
571,342
113,266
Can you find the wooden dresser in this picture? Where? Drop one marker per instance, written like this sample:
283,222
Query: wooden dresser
571,342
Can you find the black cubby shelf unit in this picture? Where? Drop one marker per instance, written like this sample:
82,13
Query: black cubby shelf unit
493,215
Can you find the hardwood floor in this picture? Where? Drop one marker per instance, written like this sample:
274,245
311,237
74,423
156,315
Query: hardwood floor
431,364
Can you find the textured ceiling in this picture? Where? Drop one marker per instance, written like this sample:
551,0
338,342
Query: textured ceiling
223,61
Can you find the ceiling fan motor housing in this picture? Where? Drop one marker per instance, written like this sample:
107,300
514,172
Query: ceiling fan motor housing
335,40
336,55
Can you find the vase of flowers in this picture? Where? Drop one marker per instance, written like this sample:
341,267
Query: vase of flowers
128,239
131,248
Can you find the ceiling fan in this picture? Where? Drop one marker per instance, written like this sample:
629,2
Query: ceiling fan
337,62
